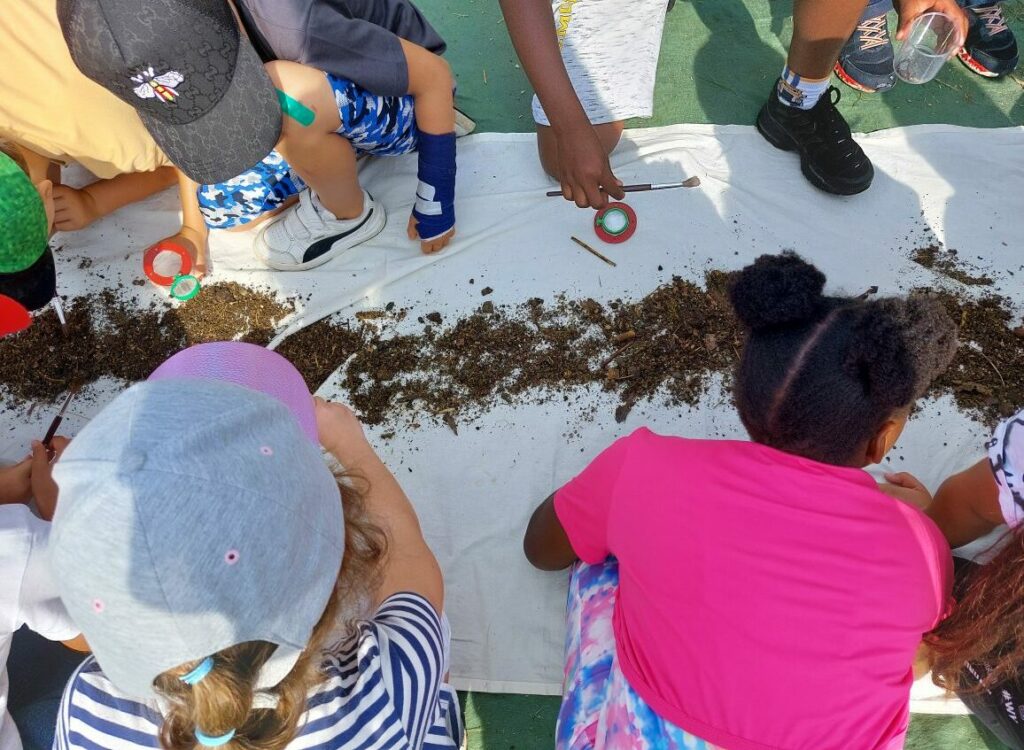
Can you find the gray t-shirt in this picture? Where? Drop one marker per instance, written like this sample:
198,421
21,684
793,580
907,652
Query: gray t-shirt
353,39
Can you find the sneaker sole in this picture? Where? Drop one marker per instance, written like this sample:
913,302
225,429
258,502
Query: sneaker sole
974,66
372,226
846,78
776,135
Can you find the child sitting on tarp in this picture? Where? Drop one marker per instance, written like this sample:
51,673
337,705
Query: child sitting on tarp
55,115
766,594
351,77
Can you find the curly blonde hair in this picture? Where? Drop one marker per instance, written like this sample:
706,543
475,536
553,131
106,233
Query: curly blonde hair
222,701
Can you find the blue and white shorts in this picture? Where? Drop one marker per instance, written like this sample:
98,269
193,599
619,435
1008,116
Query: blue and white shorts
378,125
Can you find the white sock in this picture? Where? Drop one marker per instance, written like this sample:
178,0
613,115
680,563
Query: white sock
801,93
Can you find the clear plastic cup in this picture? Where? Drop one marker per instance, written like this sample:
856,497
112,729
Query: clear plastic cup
933,38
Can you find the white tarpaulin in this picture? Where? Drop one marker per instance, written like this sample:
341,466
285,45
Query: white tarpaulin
475,491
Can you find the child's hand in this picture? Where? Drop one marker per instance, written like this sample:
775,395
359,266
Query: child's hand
338,427
908,488
73,208
197,246
429,246
44,489
16,483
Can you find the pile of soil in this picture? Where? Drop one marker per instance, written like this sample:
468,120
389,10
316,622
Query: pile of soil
987,375
668,343
110,336
666,346
948,263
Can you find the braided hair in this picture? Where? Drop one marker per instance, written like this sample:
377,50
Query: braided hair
820,375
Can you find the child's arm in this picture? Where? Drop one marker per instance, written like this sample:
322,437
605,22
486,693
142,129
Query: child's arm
582,159
410,565
432,88
546,544
194,234
966,507
16,483
77,208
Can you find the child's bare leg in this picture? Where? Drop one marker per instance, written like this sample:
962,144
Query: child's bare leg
77,208
326,162
609,134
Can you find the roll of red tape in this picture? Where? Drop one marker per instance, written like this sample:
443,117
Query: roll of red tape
166,247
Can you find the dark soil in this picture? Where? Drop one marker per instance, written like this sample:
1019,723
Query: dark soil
109,336
987,374
947,263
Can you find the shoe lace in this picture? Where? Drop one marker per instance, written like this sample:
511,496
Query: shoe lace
873,33
992,15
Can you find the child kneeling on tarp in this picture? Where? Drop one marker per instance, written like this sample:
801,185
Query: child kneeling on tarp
362,79
762,594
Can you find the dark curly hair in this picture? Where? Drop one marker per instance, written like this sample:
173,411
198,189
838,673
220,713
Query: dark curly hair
820,375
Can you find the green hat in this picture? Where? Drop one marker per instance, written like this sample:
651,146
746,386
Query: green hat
24,230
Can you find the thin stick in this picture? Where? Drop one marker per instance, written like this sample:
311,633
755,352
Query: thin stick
59,309
592,251
646,187
55,424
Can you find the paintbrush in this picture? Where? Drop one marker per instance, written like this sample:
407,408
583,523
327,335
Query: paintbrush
59,309
55,424
645,187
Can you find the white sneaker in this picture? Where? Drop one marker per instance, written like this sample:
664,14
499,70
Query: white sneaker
307,235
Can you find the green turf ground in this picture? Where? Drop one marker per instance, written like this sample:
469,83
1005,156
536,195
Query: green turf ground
718,61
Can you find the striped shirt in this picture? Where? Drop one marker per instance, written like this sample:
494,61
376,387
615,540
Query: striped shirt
383,691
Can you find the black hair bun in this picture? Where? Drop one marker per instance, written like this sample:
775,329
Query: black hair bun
777,290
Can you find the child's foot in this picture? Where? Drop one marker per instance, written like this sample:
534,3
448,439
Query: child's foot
866,62
308,235
829,157
991,48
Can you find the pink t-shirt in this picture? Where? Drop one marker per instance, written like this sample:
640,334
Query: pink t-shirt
766,601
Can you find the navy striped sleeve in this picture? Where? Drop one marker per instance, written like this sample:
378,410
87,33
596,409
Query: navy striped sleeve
408,632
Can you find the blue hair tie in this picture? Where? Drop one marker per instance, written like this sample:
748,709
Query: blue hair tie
207,741
196,675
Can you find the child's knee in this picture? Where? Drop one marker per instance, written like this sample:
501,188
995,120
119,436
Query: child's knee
309,107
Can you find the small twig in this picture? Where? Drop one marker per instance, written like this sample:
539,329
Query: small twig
485,76
592,251
611,358
979,350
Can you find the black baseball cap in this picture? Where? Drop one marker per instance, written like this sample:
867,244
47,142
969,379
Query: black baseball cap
195,80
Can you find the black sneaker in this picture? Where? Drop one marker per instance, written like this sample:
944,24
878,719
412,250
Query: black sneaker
991,48
829,157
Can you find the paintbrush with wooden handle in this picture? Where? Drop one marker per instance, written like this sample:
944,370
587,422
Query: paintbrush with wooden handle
646,186
55,424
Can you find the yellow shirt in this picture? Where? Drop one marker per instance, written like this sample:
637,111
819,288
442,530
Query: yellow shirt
47,106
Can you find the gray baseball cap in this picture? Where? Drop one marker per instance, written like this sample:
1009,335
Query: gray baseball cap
194,515
195,80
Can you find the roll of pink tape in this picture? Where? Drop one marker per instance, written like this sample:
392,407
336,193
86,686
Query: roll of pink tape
247,365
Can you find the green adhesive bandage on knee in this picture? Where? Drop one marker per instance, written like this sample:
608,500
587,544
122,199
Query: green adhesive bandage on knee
295,109
24,230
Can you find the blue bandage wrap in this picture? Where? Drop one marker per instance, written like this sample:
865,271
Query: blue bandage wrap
435,194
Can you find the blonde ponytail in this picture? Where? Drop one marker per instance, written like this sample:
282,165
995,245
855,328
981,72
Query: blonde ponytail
221,709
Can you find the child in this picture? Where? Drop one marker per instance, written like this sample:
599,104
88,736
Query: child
55,115
766,594
978,651
350,77
595,66
27,271
28,595
245,598
866,62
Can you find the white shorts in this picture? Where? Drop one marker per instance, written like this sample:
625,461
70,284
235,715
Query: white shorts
610,49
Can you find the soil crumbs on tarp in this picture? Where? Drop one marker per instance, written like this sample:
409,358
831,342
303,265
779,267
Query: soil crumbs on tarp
947,262
110,336
667,345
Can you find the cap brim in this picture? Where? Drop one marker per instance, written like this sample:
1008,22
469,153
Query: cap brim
35,286
233,136
251,366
